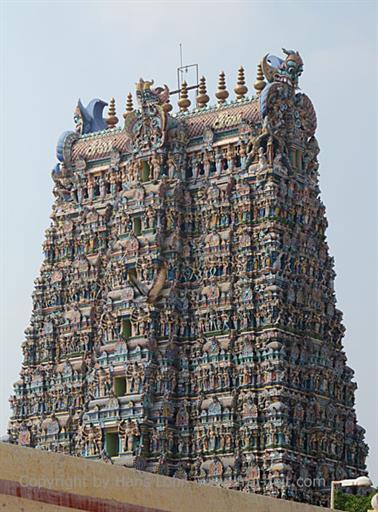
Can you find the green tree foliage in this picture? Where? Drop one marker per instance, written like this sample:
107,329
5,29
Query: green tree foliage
352,503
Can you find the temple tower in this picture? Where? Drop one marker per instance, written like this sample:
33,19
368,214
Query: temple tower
184,320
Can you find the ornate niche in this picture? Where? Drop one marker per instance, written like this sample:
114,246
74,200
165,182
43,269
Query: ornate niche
24,436
131,246
147,128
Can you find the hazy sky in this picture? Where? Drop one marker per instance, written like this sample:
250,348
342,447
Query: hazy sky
54,52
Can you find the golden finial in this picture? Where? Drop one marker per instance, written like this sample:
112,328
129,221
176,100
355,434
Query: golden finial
202,97
129,105
184,101
240,88
260,82
222,93
112,119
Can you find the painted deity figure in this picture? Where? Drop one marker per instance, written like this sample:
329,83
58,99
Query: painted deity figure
262,165
155,167
172,170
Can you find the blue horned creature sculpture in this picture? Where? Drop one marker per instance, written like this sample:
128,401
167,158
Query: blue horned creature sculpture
279,70
89,119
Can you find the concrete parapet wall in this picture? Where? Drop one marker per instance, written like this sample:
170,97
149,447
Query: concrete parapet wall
33,480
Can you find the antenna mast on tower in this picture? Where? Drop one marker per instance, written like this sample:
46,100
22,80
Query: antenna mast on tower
181,70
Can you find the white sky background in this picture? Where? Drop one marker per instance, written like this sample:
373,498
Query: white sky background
54,52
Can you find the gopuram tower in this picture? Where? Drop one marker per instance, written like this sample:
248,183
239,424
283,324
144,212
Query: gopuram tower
184,318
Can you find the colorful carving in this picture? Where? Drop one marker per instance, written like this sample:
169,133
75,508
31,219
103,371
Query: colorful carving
287,71
89,119
184,319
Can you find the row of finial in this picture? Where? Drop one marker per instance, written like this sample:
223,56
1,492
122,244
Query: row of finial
202,97
222,93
